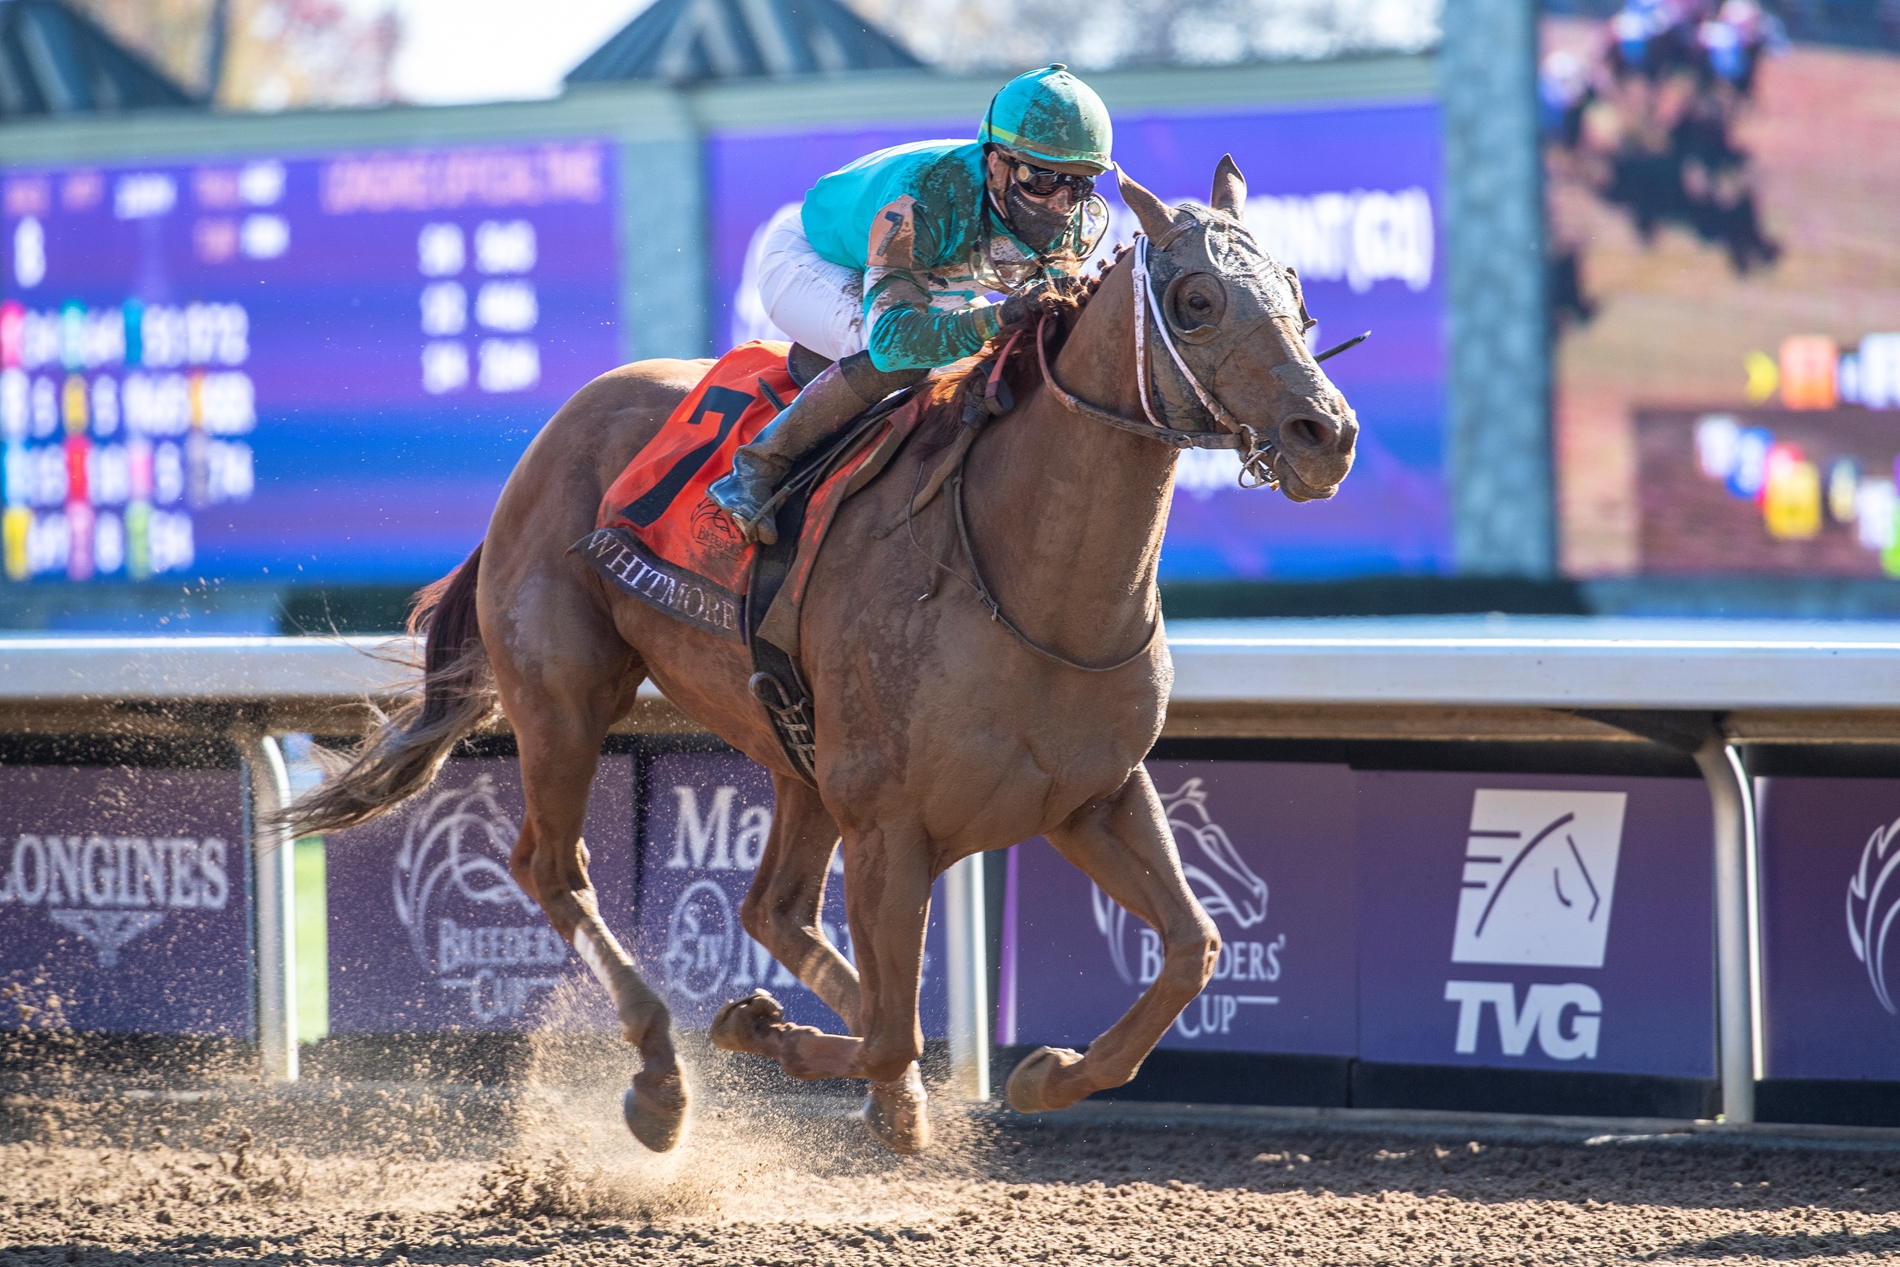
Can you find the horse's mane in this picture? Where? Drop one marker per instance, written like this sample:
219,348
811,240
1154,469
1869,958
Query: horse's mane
946,391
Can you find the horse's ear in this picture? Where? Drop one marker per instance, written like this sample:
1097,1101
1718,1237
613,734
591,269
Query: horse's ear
1155,216
1230,188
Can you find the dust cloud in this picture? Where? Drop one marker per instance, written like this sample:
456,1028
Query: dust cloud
110,1155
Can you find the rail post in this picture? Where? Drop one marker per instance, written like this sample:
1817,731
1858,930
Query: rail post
966,945
274,918
1737,977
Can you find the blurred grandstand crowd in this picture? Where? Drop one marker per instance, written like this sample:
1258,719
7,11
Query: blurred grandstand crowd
1645,120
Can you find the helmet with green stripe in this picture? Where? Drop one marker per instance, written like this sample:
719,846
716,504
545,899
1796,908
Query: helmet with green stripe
1052,116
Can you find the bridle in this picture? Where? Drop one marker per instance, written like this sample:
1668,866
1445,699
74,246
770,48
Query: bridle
1256,454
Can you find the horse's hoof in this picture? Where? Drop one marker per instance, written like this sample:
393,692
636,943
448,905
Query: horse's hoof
1028,1087
656,1109
739,1022
898,1113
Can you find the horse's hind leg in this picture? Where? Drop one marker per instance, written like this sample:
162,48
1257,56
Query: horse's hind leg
781,912
1124,845
561,702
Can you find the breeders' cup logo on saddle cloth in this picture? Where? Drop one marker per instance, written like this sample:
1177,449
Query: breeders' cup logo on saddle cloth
455,851
1873,903
1232,895
109,890
713,528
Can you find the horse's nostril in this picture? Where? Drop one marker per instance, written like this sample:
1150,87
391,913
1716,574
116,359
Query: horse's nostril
1308,435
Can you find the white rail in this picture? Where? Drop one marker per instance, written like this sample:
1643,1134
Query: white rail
1557,663
1709,667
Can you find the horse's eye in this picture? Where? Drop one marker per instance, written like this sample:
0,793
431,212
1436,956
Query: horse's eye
1194,304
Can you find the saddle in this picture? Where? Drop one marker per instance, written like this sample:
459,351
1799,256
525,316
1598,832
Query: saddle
659,537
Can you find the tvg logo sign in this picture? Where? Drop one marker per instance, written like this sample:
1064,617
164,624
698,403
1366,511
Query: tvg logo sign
1537,888
1544,1012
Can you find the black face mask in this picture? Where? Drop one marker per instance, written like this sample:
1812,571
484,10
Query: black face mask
1038,226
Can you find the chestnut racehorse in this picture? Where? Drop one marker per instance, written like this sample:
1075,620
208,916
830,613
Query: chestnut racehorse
992,671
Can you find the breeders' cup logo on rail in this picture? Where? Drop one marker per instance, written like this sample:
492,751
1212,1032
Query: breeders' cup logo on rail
1539,879
109,890
1873,902
1230,892
455,853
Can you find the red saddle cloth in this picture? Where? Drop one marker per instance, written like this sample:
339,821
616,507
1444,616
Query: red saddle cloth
660,538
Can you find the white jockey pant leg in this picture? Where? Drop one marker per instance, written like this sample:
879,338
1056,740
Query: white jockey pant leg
816,302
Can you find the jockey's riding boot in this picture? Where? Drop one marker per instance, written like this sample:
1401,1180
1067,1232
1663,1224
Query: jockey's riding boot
837,395
803,364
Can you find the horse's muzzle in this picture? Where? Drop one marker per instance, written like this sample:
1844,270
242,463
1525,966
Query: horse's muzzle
1295,489
1316,451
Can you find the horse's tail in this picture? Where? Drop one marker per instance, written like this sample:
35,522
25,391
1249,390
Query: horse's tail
407,746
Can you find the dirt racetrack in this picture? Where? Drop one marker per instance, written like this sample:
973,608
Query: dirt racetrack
121,1171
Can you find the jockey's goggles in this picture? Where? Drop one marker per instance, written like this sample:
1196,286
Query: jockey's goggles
1042,182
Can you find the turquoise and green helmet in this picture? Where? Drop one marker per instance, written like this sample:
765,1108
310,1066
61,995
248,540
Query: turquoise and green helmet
1051,115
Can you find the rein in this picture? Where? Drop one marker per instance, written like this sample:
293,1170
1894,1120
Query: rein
1256,455
951,471
996,610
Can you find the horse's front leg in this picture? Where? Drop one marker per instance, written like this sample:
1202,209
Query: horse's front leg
887,901
1123,844
781,912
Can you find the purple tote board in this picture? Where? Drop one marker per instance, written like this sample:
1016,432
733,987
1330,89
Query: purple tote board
1830,885
1552,922
428,932
125,892
307,366
707,818
1268,850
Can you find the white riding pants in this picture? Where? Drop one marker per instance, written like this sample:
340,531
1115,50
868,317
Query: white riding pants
816,302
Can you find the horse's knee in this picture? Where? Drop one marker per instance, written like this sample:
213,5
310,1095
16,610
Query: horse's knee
521,869
521,859
884,1059
1188,963
765,923
772,923
756,916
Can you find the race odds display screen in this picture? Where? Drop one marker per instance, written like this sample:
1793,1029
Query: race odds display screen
308,368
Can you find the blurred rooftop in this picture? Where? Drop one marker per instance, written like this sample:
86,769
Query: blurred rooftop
56,60
731,39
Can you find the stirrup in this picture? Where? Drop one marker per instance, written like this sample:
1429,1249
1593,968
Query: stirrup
754,528
755,531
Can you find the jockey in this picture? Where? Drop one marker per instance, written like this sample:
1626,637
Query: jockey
884,270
